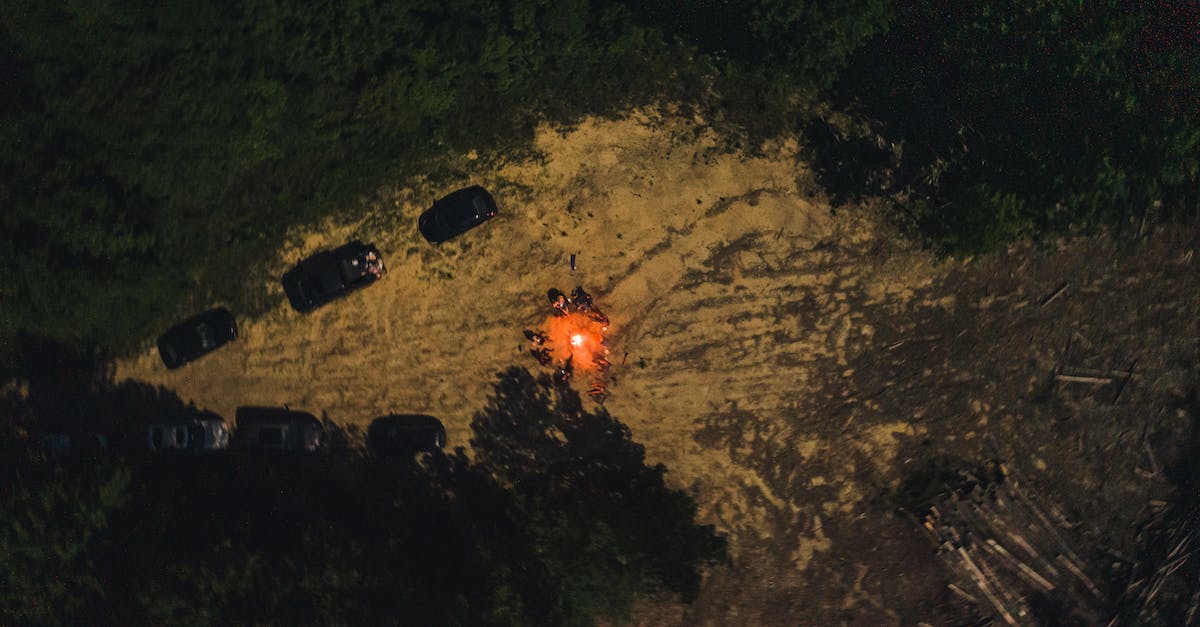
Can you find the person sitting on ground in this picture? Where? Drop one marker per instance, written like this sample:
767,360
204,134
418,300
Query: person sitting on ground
542,355
582,299
561,306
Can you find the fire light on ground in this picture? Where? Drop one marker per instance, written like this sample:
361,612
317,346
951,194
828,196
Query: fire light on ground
574,339
577,337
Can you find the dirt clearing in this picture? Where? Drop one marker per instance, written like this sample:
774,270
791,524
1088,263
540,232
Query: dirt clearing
789,366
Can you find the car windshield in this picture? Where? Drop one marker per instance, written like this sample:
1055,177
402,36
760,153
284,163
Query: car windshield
208,339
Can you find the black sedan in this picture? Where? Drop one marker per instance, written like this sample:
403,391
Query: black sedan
332,273
197,336
404,434
457,213
278,429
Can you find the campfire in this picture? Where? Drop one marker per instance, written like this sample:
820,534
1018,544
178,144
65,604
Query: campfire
574,339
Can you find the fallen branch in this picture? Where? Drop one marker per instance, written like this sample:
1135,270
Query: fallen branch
1058,292
1124,383
1071,378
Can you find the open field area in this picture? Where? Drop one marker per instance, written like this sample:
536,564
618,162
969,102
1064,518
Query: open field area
791,366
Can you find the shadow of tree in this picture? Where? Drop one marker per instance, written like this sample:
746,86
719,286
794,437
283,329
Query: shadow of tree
589,498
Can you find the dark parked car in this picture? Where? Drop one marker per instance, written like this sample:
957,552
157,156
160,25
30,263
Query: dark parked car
332,273
197,336
457,213
207,434
278,429
405,434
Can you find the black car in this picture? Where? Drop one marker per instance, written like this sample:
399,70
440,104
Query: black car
457,213
332,273
405,434
278,429
197,336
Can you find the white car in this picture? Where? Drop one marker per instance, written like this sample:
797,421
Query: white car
207,434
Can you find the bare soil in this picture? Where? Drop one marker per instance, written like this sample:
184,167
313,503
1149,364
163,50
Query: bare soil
789,365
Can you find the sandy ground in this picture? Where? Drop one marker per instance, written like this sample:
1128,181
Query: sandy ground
748,322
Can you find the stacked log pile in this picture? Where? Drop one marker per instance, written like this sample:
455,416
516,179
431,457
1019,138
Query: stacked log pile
1007,553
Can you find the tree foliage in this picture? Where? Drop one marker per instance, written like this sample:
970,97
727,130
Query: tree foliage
1013,120
53,528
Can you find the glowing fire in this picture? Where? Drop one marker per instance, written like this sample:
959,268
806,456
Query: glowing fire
577,337
574,339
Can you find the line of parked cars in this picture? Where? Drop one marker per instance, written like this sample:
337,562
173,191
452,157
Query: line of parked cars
328,275
260,428
315,281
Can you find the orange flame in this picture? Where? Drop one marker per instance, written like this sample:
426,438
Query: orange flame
578,337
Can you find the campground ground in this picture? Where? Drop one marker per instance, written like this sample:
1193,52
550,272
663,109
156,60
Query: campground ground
789,364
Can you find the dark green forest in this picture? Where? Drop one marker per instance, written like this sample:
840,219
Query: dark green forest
150,154
150,151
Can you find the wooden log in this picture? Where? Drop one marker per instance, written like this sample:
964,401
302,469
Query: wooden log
1078,572
1022,567
1009,596
963,593
1003,531
1058,292
1071,378
1124,383
1037,511
982,583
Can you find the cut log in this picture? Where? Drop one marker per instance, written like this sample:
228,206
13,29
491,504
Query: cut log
1058,292
1071,378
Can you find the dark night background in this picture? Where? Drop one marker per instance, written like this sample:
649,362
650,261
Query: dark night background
150,152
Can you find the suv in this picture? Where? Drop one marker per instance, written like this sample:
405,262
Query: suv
405,434
208,434
457,213
330,274
276,429
197,336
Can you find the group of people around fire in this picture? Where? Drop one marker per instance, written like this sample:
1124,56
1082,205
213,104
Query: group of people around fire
579,301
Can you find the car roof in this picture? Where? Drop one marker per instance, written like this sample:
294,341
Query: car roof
252,413
216,315
406,420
